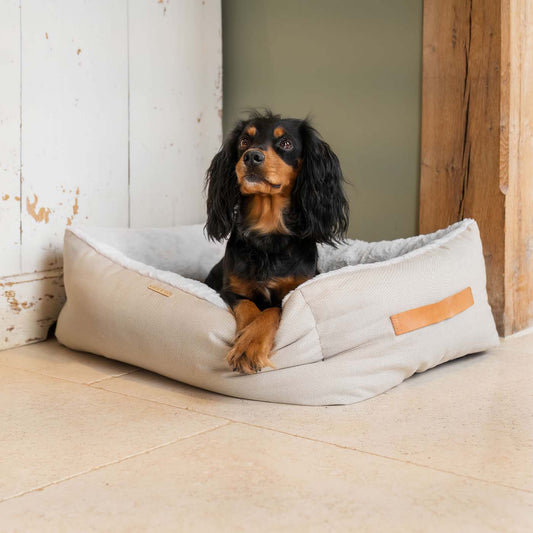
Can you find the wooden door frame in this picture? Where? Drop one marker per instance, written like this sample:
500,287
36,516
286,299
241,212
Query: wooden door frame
476,141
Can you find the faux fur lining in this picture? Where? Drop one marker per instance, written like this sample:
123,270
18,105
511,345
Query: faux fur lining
160,246
182,256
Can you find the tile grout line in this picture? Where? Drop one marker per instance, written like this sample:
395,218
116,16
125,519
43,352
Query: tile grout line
231,420
93,385
340,446
85,383
111,463
374,454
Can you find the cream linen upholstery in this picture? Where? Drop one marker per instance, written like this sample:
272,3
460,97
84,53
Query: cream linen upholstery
336,343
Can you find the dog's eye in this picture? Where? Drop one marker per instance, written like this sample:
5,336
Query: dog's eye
244,143
285,144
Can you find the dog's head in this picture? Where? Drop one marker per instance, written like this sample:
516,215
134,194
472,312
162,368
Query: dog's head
267,155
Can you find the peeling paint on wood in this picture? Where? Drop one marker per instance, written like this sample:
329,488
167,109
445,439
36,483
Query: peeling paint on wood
12,302
75,167
75,208
76,170
164,3
10,137
159,89
39,216
29,305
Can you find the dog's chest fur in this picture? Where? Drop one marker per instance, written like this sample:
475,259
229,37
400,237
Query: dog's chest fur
265,268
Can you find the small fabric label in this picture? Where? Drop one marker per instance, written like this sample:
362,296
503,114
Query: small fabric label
160,290
420,317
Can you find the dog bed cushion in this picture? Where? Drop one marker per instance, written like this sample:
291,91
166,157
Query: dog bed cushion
376,314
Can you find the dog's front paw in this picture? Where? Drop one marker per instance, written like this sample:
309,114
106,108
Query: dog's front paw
252,349
250,353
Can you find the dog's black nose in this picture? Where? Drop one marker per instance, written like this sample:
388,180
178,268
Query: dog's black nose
253,158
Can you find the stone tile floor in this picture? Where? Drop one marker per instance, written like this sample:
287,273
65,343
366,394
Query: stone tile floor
89,444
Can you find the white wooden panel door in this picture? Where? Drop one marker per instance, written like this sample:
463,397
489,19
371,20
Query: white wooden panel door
110,111
74,122
10,137
175,108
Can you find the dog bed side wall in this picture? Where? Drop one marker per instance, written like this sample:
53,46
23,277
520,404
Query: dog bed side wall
111,312
353,309
335,344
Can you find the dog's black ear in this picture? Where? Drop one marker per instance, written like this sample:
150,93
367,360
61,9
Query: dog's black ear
222,188
319,207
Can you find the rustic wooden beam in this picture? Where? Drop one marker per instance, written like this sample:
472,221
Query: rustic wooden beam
517,161
476,151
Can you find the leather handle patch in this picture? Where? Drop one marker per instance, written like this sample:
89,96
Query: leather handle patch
420,317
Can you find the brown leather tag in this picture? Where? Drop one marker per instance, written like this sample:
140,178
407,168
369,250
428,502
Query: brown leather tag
420,317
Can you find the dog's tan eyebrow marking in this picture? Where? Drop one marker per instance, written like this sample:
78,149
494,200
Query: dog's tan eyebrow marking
279,131
251,131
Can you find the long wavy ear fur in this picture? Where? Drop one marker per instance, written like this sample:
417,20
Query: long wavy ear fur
320,210
222,188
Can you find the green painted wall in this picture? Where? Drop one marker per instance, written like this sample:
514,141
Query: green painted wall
355,67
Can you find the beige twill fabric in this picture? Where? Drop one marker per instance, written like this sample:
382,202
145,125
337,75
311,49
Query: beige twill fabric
336,343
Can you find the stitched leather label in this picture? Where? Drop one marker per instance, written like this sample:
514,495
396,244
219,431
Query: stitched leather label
420,317
160,290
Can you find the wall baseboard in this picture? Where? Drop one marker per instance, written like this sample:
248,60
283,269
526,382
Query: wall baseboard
29,305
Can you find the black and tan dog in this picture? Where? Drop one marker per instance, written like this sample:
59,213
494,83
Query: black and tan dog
275,187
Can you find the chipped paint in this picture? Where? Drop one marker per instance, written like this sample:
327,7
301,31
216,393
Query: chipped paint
5,197
75,208
23,317
52,209
40,216
218,81
163,2
20,279
12,301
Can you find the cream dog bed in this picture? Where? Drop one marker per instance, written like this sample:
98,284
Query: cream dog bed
377,313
